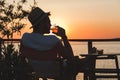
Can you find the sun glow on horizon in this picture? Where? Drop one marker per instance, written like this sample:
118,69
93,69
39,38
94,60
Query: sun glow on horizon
60,22
84,19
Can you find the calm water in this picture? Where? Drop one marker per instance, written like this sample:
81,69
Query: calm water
108,47
82,47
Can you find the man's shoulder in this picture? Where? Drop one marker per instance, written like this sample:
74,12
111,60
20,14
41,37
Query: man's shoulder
53,37
26,33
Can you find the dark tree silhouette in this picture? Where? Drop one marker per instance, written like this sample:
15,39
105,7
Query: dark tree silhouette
11,16
12,66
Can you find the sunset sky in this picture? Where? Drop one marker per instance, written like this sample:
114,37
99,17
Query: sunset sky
84,19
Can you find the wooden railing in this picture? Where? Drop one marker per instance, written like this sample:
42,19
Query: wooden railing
90,42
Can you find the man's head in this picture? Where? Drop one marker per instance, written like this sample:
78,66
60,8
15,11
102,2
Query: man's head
40,20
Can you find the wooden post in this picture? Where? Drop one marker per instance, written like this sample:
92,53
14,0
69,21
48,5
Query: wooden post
92,62
0,48
89,46
117,66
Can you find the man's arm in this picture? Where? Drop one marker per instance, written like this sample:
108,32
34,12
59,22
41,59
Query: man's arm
67,47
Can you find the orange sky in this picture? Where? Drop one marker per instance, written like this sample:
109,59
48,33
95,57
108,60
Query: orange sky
84,18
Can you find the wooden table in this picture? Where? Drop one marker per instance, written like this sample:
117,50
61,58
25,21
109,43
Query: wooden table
90,73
